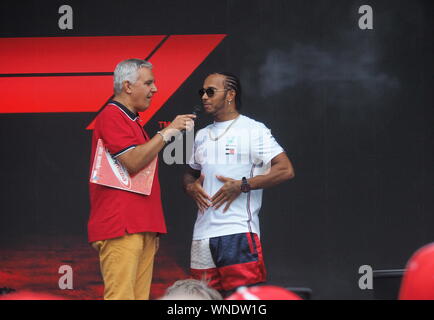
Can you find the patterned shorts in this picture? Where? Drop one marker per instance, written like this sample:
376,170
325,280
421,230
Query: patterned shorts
228,262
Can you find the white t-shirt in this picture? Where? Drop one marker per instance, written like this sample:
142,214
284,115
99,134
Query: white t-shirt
245,150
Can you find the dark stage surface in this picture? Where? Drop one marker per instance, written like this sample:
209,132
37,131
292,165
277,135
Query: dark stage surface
33,266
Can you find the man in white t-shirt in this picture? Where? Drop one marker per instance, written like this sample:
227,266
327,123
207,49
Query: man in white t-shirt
233,159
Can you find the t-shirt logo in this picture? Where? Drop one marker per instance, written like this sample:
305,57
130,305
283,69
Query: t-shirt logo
231,146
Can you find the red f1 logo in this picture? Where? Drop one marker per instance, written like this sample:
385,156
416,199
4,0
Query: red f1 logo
75,74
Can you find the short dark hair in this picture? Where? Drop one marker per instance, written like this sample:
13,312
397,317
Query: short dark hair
232,83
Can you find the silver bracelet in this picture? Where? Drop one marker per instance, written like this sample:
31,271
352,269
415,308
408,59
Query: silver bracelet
162,135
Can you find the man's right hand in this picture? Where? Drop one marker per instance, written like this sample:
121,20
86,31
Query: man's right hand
196,191
181,122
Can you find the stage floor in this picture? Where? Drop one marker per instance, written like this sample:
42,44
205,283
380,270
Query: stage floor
32,265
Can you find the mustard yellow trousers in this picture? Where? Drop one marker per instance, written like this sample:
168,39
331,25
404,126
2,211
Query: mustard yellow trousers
126,265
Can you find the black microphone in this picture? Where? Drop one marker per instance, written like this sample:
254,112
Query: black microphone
197,110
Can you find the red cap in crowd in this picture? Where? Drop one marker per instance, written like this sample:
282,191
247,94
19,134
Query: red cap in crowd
263,293
418,281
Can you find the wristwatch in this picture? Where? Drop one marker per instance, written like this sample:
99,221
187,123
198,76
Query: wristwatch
245,186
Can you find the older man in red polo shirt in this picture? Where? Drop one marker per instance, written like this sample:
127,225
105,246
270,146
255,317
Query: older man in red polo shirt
124,226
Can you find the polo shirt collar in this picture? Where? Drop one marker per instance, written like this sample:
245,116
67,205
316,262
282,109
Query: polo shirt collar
133,116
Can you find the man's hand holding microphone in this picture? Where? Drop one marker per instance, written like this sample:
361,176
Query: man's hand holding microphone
180,124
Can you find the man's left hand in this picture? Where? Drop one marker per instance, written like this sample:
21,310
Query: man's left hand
227,193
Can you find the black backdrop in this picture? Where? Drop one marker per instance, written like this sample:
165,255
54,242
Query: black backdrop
353,108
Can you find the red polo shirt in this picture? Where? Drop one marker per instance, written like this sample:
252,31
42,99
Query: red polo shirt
114,212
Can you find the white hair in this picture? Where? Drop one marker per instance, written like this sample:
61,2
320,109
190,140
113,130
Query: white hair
191,289
127,70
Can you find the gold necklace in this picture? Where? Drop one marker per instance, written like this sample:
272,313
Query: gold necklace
226,130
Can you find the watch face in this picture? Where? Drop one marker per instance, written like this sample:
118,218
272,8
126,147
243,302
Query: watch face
245,187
